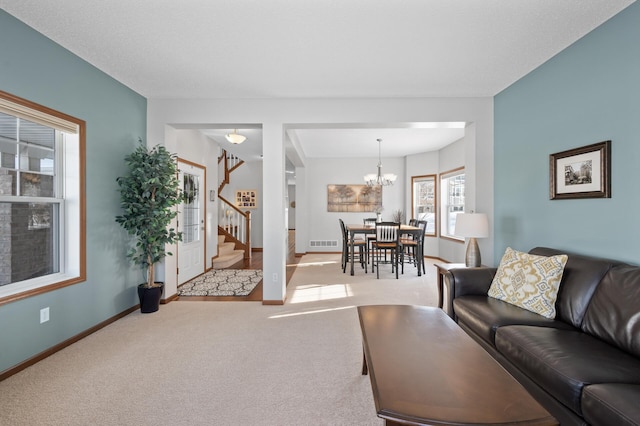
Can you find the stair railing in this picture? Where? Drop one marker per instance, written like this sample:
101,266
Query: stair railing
231,162
236,225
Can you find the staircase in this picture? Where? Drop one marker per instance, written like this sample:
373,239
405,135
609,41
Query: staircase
227,254
234,225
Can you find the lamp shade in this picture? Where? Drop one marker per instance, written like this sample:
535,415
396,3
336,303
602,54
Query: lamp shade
472,225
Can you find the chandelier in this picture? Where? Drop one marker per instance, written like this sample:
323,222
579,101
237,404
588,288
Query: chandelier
235,137
379,179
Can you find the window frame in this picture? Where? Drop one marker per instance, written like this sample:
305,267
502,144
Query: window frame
71,208
423,178
444,205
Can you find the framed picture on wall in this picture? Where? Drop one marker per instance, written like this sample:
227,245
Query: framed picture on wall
247,199
583,172
353,198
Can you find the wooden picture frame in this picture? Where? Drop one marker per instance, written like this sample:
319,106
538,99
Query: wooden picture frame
583,172
246,199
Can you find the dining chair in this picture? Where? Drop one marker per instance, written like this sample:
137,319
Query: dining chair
387,240
423,225
370,222
412,222
360,250
410,244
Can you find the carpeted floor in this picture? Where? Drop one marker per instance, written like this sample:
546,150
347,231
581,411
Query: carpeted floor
222,282
234,363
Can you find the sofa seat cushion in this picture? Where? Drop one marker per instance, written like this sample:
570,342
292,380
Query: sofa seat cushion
484,315
611,404
563,362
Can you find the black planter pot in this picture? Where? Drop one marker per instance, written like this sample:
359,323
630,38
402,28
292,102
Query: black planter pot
150,297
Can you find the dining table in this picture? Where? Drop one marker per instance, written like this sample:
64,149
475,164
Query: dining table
355,229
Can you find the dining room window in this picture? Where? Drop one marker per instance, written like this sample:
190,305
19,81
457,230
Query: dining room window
424,201
41,199
452,189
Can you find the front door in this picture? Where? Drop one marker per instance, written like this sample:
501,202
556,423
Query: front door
191,214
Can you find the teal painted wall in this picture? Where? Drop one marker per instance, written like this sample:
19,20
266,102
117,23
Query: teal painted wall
588,93
35,68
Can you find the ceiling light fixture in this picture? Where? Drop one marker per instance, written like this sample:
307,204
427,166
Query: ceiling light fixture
235,137
380,179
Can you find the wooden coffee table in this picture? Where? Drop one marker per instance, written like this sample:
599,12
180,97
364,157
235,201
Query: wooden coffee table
425,370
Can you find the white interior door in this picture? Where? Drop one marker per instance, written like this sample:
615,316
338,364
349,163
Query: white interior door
191,223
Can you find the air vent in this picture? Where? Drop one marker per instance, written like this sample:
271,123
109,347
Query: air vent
323,243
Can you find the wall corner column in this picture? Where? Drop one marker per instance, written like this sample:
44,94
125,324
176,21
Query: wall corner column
275,232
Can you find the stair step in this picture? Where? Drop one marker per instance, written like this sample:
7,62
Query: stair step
226,260
226,248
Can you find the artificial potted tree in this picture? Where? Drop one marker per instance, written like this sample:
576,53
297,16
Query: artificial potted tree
148,195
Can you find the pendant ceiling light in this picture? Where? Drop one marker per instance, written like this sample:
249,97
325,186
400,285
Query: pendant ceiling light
380,179
235,137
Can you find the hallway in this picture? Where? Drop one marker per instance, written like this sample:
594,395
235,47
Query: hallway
254,263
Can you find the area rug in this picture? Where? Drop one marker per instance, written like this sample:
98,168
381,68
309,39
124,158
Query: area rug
222,282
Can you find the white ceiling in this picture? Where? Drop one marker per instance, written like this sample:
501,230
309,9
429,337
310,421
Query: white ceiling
352,141
362,142
318,48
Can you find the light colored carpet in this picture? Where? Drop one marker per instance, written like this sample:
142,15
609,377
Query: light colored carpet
225,363
222,282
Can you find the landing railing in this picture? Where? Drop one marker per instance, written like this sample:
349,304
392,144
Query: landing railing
236,225
230,163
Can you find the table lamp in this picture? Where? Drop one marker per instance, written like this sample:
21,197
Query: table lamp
472,226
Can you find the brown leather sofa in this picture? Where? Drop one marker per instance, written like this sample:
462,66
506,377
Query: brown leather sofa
584,365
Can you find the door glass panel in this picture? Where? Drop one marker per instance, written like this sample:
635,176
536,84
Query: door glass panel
191,210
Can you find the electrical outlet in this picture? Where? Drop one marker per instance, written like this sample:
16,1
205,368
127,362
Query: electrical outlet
44,315
275,277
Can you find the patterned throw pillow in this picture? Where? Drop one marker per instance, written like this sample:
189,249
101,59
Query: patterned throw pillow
529,281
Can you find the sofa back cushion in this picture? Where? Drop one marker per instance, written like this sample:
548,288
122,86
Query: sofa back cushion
581,276
614,312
